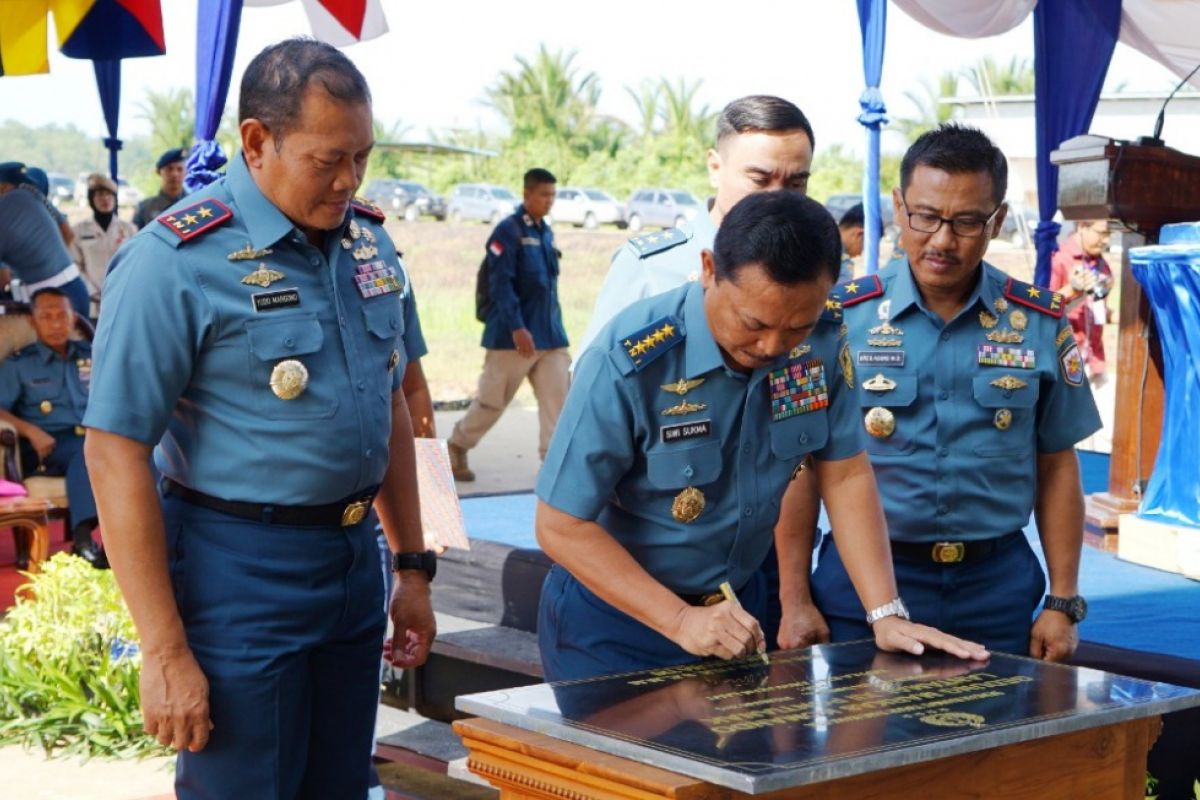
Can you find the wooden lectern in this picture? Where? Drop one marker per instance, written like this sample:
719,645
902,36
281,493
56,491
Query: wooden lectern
1142,187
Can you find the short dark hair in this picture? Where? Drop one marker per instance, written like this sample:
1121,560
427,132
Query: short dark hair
47,291
853,218
538,176
274,83
762,112
956,148
792,236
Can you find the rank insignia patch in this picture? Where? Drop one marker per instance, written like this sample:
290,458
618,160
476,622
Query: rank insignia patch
188,223
857,290
651,243
995,355
368,209
652,341
1071,362
1034,297
797,389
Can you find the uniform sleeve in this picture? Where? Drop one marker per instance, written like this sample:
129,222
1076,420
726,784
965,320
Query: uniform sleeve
1066,409
10,385
502,250
154,322
593,446
414,339
846,437
1059,276
624,284
139,216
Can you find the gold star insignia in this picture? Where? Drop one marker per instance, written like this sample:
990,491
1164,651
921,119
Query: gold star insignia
1034,291
668,330
190,219
852,287
205,212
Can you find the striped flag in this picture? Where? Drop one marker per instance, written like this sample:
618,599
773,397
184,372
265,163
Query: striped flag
340,22
94,29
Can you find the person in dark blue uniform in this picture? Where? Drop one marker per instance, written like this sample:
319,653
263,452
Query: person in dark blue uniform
43,394
254,334
685,426
973,394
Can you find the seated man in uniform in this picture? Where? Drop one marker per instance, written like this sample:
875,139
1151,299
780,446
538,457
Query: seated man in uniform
683,428
43,394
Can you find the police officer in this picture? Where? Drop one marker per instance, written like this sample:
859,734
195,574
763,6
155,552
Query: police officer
973,394
685,424
523,333
31,243
255,335
170,168
43,394
763,143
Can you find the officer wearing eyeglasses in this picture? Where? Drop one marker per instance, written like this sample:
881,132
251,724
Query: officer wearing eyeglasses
973,393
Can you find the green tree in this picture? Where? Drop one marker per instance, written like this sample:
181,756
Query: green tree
547,97
930,110
989,78
172,118
646,97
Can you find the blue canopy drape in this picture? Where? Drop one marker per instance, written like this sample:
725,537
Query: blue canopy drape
108,81
216,43
872,19
1073,42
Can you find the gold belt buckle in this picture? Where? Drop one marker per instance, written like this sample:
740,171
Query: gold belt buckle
711,599
949,552
355,513
80,430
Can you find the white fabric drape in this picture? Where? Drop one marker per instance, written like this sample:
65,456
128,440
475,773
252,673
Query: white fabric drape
968,19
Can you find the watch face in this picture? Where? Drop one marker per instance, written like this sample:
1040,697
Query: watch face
1079,608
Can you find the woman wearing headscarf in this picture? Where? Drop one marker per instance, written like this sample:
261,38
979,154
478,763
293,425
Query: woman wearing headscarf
97,238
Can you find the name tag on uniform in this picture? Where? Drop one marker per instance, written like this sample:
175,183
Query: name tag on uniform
685,430
531,240
38,381
878,358
281,298
376,278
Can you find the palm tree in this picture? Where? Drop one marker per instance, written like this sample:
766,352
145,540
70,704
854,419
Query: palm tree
680,120
646,97
990,78
931,110
546,96
172,118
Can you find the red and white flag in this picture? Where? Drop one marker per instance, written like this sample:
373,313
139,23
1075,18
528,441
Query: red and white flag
340,22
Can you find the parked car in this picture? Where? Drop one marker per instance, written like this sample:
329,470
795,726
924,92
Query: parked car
62,188
408,199
481,201
587,208
839,204
662,207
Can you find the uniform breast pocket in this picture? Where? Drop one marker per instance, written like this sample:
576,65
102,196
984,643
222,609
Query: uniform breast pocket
1011,413
791,440
892,429
671,468
289,377
42,388
385,326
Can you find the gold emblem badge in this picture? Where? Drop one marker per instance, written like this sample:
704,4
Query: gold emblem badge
393,360
1018,320
262,277
289,379
682,386
347,244
878,342
688,505
365,252
1009,382
45,406
1003,419
355,513
880,422
847,363
368,234
248,253
1001,305
1005,336
683,408
987,319
880,383
800,350
886,329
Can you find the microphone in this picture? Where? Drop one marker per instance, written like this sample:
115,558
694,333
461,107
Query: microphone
1156,140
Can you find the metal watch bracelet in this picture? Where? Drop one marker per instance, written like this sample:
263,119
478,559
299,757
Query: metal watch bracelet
892,608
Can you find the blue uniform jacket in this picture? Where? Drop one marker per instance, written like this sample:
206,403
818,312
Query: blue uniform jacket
523,285
51,392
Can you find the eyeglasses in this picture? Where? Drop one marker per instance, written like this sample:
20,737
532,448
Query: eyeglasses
932,223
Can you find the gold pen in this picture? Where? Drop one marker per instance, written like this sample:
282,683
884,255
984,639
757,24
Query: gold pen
727,590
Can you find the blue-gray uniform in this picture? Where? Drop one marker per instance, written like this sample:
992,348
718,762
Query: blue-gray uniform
684,461
31,244
51,391
957,413
263,367
647,265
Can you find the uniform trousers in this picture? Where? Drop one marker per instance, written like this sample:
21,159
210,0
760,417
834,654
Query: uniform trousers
581,636
67,460
990,600
286,624
503,372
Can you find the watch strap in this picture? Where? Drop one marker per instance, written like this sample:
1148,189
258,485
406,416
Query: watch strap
425,561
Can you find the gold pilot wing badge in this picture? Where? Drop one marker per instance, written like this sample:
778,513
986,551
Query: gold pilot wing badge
248,253
262,277
682,386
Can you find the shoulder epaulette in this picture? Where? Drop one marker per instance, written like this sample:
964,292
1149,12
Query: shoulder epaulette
368,209
858,289
1034,297
188,223
649,244
833,310
648,343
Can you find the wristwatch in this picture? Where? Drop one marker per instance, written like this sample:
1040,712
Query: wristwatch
893,608
1074,607
426,561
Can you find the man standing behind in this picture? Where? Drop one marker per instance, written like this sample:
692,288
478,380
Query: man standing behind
763,144
523,333
851,228
1079,271
170,172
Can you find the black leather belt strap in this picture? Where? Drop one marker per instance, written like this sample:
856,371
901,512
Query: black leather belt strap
952,552
345,512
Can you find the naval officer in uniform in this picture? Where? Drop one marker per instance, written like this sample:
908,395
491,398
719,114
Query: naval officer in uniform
764,143
973,393
254,333
685,424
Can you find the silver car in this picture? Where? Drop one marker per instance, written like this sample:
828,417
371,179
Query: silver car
587,207
481,201
664,208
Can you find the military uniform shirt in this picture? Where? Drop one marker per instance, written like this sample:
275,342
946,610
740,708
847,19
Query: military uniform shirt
523,285
189,339
647,265
618,459
970,414
30,241
414,339
40,387
151,207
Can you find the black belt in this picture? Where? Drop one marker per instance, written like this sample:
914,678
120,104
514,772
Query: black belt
952,552
332,515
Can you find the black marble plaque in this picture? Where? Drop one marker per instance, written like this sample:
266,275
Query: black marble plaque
823,713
